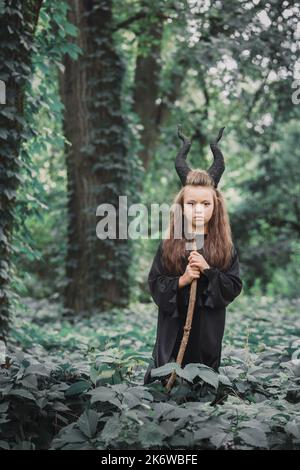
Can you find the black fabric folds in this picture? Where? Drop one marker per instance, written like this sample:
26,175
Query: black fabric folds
216,289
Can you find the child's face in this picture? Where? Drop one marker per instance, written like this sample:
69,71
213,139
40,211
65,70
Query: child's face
198,206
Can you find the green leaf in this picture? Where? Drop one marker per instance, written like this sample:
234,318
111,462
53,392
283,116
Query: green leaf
166,369
224,380
77,388
4,445
106,395
111,429
254,437
22,394
88,423
209,376
151,435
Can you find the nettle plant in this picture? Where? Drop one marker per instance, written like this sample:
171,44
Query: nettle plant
252,403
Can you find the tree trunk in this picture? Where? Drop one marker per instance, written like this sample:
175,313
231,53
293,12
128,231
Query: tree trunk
18,23
147,88
97,270
152,105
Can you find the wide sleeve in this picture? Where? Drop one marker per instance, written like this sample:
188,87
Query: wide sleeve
163,287
223,286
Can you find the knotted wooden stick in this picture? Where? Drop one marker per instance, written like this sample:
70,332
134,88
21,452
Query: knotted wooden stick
187,327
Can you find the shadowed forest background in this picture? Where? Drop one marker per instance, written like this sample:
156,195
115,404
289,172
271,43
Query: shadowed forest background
94,93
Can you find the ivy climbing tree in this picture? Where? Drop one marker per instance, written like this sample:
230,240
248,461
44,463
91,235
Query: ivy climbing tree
18,24
97,169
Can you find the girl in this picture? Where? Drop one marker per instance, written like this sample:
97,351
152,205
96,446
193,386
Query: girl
215,266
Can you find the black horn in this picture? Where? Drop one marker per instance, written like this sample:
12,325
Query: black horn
181,166
218,166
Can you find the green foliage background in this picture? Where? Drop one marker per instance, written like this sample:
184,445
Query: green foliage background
260,184
77,384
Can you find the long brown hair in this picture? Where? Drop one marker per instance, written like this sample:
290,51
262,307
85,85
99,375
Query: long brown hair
218,245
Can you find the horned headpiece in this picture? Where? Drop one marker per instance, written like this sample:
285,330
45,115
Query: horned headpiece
215,170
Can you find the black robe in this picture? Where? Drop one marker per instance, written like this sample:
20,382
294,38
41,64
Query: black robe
215,290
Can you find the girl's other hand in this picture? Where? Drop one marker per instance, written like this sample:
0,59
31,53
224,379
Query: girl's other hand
189,275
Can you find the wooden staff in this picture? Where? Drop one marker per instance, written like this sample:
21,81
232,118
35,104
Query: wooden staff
187,327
